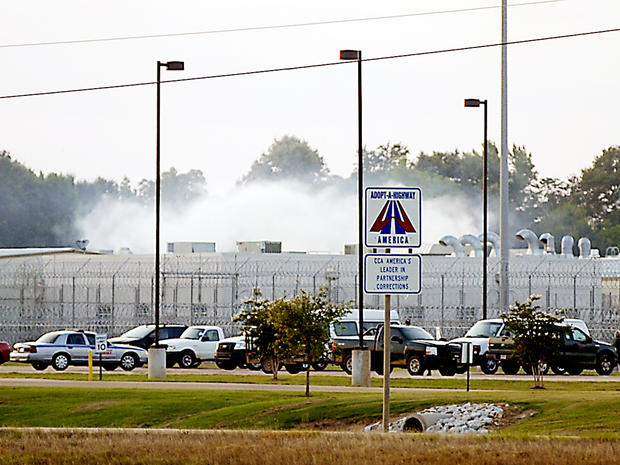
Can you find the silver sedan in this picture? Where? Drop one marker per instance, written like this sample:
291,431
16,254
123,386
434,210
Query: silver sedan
60,349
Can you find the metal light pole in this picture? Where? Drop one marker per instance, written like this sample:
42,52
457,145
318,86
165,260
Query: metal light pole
357,55
156,372
361,357
504,291
471,102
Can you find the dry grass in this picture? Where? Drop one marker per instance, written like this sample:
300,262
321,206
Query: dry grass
299,448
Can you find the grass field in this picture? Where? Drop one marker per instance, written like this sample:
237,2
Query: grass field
285,448
591,414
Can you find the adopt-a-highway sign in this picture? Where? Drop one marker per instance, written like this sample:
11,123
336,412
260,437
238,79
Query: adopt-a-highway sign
392,217
392,273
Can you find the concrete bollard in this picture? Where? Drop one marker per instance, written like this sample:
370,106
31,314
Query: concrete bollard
157,363
361,368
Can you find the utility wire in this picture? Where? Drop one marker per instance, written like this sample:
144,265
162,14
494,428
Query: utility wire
277,26
319,65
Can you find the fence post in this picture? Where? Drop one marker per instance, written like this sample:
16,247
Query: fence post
575,293
113,307
529,286
443,294
191,301
73,303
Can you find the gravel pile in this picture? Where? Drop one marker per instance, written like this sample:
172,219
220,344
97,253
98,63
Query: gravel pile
463,418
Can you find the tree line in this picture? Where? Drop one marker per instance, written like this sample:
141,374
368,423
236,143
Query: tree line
39,210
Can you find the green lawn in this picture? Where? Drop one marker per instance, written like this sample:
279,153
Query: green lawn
487,383
563,413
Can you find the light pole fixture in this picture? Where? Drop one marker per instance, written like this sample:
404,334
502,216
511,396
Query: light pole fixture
356,55
172,66
472,102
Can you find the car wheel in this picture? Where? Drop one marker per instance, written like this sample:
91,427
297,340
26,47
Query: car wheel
558,370
605,365
320,365
447,371
510,367
293,368
574,370
347,363
60,362
129,361
266,365
415,365
187,360
254,366
39,366
489,366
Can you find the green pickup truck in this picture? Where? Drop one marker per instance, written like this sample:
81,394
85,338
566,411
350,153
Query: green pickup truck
579,352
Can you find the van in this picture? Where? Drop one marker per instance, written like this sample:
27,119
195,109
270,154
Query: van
347,325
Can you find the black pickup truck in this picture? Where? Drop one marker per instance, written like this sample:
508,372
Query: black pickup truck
578,352
411,347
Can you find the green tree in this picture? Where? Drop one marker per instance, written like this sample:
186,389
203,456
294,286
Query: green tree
288,158
303,324
259,326
537,335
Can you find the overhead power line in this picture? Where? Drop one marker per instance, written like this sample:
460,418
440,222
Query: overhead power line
276,26
318,65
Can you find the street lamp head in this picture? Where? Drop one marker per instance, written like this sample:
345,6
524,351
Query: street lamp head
472,102
350,54
174,65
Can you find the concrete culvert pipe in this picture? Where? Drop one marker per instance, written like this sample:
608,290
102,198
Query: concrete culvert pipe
419,422
451,241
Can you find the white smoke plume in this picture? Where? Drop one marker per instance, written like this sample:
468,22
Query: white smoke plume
304,218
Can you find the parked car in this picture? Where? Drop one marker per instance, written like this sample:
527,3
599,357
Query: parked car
5,350
411,347
144,335
578,352
195,345
60,349
478,335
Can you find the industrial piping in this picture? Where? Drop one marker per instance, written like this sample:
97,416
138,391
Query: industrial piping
533,245
549,242
494,240
470,239
585,247
567,246
451,241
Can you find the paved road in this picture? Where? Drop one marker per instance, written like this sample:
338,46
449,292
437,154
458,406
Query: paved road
475,375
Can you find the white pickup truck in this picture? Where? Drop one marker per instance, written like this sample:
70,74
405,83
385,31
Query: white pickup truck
196,345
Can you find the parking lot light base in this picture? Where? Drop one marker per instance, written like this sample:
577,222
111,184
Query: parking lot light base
157,363
361,368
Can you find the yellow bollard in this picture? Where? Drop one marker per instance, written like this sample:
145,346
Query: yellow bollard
90,364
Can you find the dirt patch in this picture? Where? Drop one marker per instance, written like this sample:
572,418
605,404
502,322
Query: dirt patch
513,415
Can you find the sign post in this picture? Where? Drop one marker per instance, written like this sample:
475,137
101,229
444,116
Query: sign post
392,220
467,357
101,345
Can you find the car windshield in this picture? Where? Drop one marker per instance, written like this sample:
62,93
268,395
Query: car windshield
411,333
484,329
192,333
345,328
48,338
138,332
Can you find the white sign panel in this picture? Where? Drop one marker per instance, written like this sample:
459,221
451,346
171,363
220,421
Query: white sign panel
467,352
101,343
393,217
392,273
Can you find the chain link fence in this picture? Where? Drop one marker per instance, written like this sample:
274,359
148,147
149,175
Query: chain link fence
112,293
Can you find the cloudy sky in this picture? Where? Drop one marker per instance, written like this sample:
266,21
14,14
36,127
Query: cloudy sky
563,98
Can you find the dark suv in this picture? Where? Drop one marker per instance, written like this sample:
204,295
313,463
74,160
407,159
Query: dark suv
144,335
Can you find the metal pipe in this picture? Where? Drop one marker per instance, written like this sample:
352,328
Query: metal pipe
549,243
533,246
585,247
567,246
470,239
451,241
503,178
